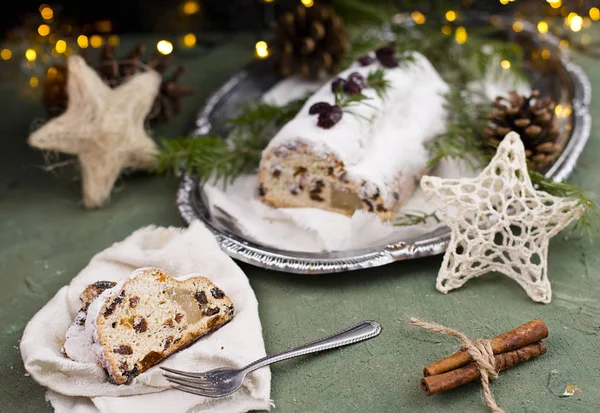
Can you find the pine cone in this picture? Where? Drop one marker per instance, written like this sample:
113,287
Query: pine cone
310,41
532,118
114,72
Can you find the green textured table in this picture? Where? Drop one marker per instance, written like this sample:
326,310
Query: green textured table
46,238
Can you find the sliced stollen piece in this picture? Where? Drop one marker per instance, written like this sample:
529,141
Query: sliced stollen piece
147,317
368,160
77,345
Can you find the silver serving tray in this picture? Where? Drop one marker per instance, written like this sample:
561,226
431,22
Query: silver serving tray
563,80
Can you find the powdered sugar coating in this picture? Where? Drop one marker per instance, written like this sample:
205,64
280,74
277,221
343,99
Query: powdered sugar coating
77,345
383,137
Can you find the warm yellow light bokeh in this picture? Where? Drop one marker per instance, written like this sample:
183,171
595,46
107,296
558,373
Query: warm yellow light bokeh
83,41
30,55
576,23
517,26
555,4
34,82
189,40
191,7
595,13
5,54
450,15
104,26
460,35
47,13
262,49
418,17
546,54
61,46
164,47
447,30
542,26
563,44
505,2
44,30
113,40
308,3
505,64
52,72
96,41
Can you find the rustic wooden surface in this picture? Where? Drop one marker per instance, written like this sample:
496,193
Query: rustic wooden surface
46,238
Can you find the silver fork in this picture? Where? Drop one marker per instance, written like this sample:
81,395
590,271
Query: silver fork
223,382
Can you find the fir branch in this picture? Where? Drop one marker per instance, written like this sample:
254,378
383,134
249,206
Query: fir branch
467,117
588,224
258,116
375,80
415,218
208,157
378,82
218,159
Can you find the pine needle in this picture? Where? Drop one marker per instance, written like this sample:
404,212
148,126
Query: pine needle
415,218
467,117
218,159
588,224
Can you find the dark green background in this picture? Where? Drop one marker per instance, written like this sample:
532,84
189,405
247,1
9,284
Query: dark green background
47,237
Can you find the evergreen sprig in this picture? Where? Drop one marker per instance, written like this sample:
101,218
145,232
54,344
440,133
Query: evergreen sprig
588,224
467,117
410,218
463,140
376,80
215,158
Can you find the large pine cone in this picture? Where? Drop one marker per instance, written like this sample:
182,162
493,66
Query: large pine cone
310,41
532,118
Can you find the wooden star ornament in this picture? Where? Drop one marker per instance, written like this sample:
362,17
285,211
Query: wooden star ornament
499,222
103,127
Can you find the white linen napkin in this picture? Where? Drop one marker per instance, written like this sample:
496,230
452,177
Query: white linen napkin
83,387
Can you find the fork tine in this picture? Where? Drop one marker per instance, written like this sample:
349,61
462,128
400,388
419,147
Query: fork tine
190,382
205,391
183,373
197,392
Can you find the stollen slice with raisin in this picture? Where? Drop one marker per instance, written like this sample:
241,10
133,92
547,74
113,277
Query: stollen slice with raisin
149,316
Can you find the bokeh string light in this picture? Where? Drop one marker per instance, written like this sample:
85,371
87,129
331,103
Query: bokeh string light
43,41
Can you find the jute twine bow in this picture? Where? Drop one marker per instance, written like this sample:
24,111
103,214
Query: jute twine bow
481,353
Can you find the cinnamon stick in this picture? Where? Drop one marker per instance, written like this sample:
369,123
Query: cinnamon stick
466,374
528,333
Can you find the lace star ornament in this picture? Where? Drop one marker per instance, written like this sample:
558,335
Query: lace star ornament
103,127
499,222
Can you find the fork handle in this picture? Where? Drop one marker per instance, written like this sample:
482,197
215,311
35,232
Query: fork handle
359,332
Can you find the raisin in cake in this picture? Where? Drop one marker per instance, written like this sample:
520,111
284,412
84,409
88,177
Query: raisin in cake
145,318
367,156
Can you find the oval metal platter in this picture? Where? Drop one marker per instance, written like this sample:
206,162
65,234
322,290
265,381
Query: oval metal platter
559,78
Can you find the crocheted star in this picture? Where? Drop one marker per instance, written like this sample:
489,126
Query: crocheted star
104,127
499,222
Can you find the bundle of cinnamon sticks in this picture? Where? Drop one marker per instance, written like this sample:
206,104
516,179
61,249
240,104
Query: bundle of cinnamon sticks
511,348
